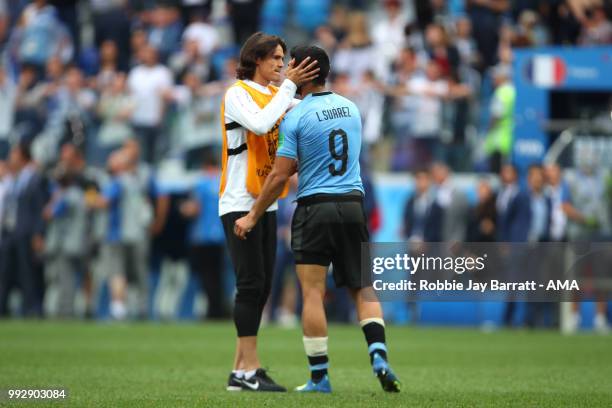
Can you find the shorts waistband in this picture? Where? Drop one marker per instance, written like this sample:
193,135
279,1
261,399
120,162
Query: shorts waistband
353,196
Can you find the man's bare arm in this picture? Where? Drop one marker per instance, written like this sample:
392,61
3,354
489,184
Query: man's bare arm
284,168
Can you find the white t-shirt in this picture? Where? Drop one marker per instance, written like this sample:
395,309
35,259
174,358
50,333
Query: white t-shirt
241,108
146,85
388,36
428,122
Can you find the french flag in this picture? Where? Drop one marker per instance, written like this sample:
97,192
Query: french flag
546,71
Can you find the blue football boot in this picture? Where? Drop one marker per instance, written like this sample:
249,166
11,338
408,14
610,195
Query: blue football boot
322,386
382,369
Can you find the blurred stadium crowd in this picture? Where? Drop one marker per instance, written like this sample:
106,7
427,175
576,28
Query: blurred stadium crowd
99,98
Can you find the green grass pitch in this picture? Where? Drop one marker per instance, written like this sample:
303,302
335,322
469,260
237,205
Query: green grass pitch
186,365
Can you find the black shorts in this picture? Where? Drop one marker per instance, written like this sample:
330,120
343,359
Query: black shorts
329,228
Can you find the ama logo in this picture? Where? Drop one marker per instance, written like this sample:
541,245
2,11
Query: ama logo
546,71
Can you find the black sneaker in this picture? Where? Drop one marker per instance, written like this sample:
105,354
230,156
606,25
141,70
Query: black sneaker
234,383
261,382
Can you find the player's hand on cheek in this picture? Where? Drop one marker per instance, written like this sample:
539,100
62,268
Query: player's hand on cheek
304,72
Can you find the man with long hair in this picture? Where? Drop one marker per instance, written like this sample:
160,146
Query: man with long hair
251,112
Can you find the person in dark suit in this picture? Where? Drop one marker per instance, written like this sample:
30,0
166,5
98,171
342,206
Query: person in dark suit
539,265
22,231
513,221
513,208
423,215
540,204
482,223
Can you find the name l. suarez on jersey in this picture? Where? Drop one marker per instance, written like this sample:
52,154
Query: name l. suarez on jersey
334,113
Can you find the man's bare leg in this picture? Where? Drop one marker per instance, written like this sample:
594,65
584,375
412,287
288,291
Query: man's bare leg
312,279
371,321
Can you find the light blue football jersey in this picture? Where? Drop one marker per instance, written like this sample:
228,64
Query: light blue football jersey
323,133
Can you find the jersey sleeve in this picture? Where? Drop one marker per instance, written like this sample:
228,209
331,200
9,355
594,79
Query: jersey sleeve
287,137
241,108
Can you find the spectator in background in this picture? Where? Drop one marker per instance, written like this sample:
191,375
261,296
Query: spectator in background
388,32
38,104
589,214
65,244
115,110
126,242
498,143
529,32
486,18
423,216
109,67
76,106
22,234
69,113
85,176
111,21
356,54
165,32
370,102
514,222
558,191
67,15
325,38
466,46
29,112
439,49
8,97
147,84
138,41
190,58
589,218
40,36
429,90
87,179
453,202
563,25
196,124
206,236
244,15
403,109
539,265
482,224
338,21
424,13
513,208
145,176
189,8
54,74
202,33
596,28
540,204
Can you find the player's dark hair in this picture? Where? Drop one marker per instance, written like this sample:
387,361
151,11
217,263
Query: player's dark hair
299,53
257,46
